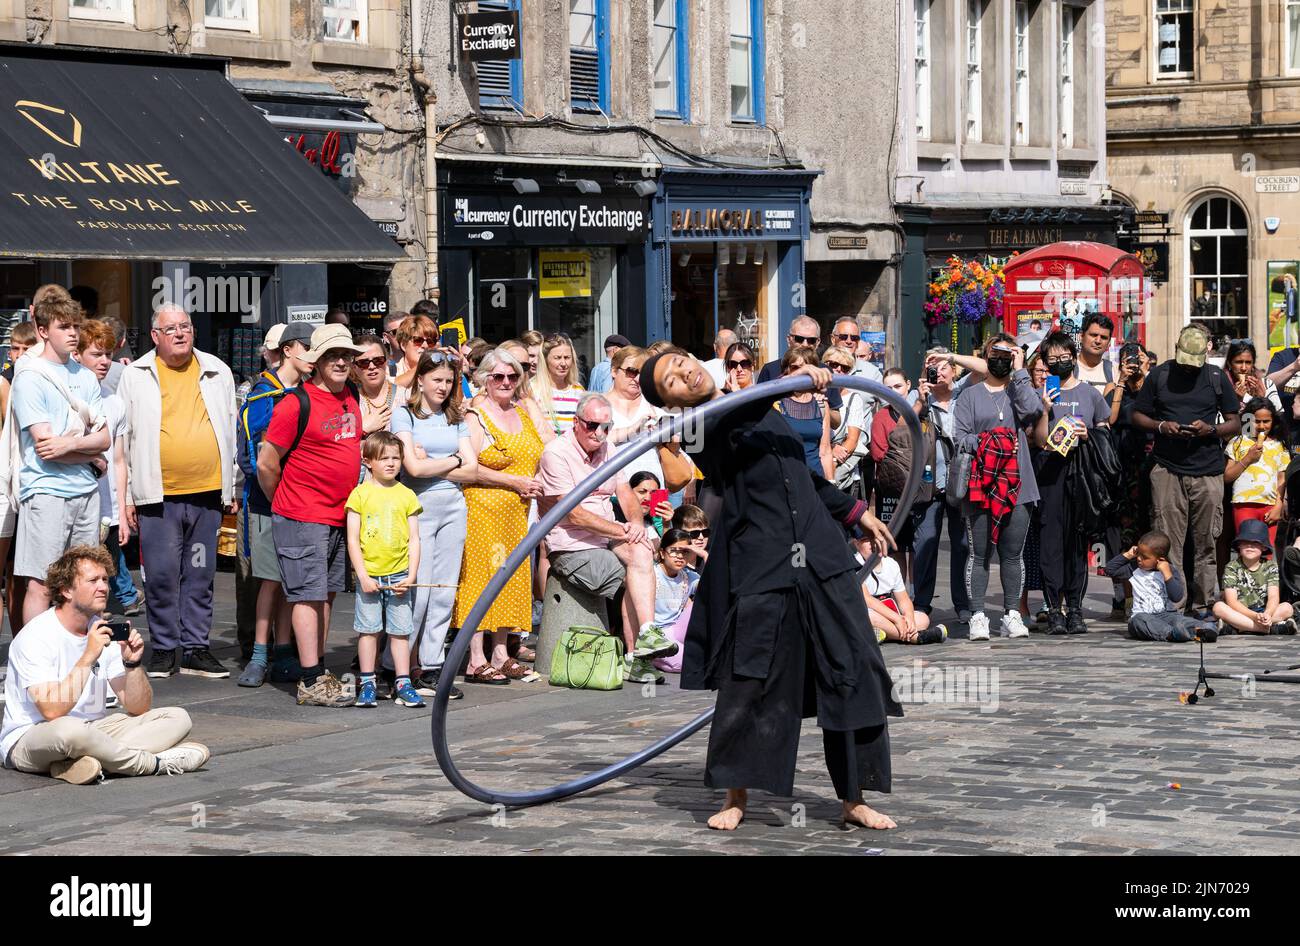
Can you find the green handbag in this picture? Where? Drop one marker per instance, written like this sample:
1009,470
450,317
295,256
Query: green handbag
588,658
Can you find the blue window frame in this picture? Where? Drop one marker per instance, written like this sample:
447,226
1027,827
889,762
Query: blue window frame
745,62
670,48
589,55
500,81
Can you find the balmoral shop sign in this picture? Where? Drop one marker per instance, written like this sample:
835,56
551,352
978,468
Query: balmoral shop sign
494,219
744,219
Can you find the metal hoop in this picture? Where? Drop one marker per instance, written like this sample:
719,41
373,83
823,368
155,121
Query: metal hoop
691,419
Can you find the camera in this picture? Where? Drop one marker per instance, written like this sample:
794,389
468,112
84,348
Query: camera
932,374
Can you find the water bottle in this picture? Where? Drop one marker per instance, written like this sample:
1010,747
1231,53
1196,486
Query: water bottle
928,476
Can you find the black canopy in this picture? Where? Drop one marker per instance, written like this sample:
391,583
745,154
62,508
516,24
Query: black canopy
158,158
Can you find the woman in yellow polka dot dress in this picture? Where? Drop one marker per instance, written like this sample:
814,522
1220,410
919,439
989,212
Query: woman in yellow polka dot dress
505,436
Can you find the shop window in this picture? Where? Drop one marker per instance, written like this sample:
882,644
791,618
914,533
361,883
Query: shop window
717,286
345,20
577,296
504,299
1293,36
1021,95
1066,108
745,61
500,81
671,59
1175,38
1218,250
921,68
974,70
231,15
115,11
589,55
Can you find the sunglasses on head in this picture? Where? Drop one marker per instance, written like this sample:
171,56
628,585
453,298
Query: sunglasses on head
804,340
365,363
592,426
744,364
441,357
499,378
677,551
694,534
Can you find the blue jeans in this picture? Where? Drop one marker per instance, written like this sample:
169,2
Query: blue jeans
178,555
927,526
121,586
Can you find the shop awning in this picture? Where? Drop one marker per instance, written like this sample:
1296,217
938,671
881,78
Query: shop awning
135,157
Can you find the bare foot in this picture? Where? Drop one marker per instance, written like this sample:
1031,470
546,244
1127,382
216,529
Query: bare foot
858,813
732,812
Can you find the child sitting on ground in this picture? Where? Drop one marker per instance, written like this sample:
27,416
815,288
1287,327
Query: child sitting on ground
384,547
1251,587
692,520
892,614
675,584
1157,585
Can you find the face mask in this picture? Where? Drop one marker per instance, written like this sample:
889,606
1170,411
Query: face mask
999,365
1062,369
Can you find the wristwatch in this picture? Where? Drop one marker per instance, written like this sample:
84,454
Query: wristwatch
131,664
459,462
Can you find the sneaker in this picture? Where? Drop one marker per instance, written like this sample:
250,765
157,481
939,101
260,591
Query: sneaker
81,771
654,643
254,674
641,671
979,627
1074,623
162,663
186,757
880,636
286,670
326,691
430,680
1013,625
111,702
133,608
366,694
404,695
1287,627
1056,625
200,663
932,635
1207,634
1042,617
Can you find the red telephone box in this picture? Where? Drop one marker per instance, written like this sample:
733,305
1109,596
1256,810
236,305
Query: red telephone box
1059,284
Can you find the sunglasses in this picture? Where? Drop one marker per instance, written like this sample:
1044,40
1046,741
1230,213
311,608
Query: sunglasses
848,337
421,341
804,340
694,534
441,357
837,367
631,372
677,552
593,426
510,378
744,364
367,363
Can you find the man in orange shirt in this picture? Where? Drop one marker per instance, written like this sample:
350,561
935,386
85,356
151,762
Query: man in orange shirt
180,450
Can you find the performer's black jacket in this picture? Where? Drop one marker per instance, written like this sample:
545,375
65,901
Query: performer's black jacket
782,529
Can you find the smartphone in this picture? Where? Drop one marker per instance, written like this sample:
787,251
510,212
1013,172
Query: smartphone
656,497
121,630
932,374
1053,387
1187,428
450,339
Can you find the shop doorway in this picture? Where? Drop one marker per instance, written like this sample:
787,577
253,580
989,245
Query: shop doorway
505,293
721,285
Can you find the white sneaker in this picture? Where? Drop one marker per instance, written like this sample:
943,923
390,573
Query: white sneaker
979,627
1013,625
185,757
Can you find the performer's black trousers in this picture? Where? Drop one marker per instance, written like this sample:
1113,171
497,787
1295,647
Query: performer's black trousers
1062,551
754,737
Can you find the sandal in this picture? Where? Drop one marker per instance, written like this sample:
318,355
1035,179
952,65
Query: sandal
486,674
517,671
526,654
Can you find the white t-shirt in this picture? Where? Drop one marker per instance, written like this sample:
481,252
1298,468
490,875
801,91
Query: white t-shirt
717,370
115,412
883,581
46,652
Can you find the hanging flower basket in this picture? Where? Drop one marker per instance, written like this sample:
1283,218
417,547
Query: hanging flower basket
966,292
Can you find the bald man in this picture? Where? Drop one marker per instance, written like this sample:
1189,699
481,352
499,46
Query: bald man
716,366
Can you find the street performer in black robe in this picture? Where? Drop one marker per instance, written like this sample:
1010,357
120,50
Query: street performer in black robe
779,628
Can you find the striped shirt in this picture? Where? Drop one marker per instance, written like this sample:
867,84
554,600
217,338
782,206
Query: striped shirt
564,405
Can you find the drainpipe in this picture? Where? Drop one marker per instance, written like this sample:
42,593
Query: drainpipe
421,81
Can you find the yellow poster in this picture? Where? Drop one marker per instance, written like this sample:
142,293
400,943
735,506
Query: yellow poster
565,274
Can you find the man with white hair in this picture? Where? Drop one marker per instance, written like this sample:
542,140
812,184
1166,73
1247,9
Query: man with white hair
593,551
716,366
180,450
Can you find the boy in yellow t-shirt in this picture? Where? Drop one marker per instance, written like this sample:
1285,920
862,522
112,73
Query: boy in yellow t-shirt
384,547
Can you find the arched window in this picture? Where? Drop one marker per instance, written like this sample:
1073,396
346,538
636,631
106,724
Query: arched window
1218,252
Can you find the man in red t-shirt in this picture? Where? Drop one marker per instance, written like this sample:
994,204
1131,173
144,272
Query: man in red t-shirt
309,486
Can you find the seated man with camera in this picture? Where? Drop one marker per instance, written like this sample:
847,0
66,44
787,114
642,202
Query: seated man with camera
60,669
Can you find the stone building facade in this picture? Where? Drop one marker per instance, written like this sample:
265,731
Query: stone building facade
1203,113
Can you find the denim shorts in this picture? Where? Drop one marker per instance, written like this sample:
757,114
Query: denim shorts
383,610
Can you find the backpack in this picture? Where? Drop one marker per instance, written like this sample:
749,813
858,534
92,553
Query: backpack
249,444
893,469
